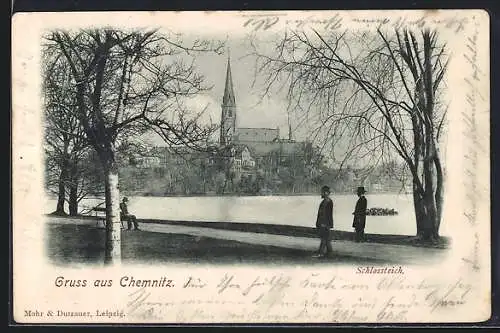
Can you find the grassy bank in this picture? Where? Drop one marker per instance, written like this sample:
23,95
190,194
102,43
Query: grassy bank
297,231
241,194
71,243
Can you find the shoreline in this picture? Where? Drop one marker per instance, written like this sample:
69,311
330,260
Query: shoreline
292,231
211,195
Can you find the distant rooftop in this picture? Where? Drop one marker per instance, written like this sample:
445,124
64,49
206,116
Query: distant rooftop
256,134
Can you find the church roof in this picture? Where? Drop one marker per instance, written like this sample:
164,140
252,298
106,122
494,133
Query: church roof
262,148
256,134
228,98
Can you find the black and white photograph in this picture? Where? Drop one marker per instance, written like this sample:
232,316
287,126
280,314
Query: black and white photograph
302,153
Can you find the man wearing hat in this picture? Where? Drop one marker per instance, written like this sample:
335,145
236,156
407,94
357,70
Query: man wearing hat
125,216
360,215
324,222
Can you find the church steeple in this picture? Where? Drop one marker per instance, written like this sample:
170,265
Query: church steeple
228,99
228,119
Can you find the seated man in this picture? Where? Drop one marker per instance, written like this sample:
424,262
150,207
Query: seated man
125,216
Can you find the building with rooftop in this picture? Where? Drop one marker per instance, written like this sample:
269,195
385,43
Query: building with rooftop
253,146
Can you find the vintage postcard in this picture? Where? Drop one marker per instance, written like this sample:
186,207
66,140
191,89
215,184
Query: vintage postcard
251,167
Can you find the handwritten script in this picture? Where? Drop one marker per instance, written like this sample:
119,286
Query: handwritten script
264,22
281,298
473,146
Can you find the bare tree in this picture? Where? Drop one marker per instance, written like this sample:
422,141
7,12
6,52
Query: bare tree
127,83
371,97
65,142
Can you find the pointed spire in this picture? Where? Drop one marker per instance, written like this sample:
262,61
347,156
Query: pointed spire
228,98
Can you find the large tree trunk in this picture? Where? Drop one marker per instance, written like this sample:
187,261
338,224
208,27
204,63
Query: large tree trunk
427,212
417,195
439,191
63,178
61,192
113,225
419,209
112,255
430,203
73,199
73,191
430,218
424,220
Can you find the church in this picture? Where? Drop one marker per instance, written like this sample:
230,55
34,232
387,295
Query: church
253,148
243,155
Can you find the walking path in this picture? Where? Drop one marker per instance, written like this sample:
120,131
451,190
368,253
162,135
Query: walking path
384,252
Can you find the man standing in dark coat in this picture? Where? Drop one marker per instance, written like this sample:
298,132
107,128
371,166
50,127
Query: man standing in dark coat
360,215
324,222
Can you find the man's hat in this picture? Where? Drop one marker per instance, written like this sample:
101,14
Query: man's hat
325,189
125,199
361,189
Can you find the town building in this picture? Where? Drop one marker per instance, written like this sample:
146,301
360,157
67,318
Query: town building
254,149
243,154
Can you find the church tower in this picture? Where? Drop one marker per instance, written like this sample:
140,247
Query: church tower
228,118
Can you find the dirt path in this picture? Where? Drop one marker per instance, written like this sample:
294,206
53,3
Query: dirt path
384,252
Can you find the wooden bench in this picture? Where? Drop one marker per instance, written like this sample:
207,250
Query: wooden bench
100,215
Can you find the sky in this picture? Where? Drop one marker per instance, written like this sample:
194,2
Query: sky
252,110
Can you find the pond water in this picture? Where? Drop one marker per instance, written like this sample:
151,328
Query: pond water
284,210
